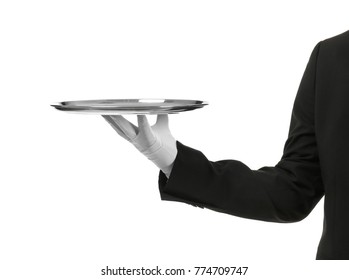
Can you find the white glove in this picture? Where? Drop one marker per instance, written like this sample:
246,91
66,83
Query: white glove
155,142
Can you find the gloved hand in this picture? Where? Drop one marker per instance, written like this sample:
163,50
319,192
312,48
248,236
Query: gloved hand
155,142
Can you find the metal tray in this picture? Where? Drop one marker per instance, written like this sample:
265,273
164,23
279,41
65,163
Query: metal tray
129,106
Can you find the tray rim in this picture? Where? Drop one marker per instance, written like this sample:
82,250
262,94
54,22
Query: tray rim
146,109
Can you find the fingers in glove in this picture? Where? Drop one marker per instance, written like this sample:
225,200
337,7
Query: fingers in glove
114,126
128,128
143,126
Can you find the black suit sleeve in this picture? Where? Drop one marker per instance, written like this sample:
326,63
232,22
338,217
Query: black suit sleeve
286,192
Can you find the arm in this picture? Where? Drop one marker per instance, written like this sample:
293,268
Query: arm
286,192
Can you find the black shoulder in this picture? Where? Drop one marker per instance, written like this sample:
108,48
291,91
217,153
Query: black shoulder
336,48
340,40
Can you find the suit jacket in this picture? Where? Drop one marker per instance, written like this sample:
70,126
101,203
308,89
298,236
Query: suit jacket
315,161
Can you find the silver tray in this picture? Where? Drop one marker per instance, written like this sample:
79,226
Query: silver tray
129,106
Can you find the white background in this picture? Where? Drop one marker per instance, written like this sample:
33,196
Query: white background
76,197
